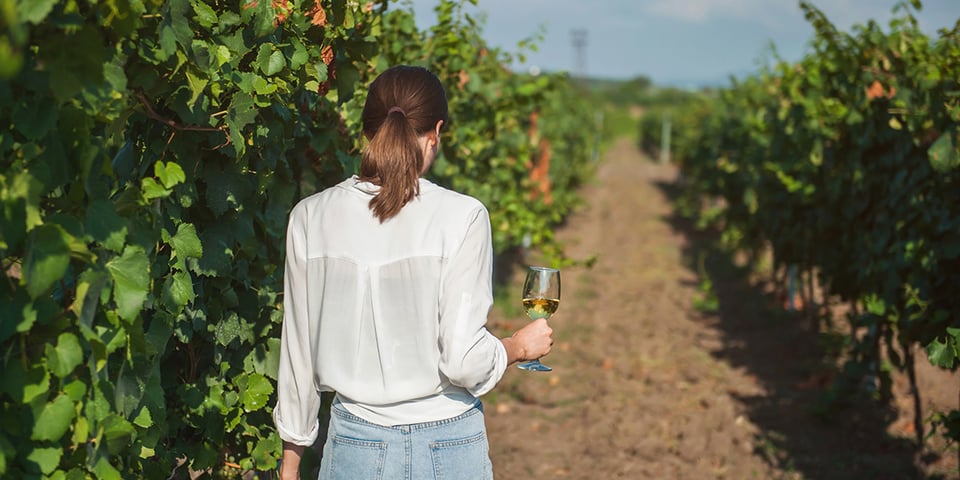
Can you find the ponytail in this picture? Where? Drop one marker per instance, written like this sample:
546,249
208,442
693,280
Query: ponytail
403,104
393,160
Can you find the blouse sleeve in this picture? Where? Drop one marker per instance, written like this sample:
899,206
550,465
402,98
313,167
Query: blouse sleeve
298,401
470,356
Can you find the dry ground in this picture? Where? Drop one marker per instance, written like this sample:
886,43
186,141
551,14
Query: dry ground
647,387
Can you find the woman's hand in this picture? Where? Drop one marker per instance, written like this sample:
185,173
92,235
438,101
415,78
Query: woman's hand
290,464
531,342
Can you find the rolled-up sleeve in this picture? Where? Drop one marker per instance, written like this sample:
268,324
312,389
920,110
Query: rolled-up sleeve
298,401
470,356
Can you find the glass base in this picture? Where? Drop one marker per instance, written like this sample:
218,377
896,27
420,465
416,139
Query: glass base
534,366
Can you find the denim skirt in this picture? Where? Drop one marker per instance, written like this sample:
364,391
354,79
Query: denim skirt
451,449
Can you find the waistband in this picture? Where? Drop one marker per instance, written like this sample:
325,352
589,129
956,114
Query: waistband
338,410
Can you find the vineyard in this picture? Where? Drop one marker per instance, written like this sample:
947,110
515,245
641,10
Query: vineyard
846,167
151,151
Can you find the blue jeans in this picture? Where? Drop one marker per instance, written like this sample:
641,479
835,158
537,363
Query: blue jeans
451,449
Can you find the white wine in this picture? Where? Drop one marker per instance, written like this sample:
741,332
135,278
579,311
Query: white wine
540,307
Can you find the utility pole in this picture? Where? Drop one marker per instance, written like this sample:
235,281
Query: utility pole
665,138
579,36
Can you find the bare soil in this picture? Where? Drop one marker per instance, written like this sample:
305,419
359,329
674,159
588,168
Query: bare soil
647,386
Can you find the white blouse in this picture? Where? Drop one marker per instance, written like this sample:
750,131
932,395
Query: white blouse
390,316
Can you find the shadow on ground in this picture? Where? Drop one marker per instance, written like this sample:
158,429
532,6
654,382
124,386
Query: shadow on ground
799,431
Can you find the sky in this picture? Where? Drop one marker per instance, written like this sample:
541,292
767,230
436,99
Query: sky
684,43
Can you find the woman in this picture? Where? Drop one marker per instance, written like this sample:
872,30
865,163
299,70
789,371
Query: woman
387,288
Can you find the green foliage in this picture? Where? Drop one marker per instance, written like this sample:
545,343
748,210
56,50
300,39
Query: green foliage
151,150
845,163
502,125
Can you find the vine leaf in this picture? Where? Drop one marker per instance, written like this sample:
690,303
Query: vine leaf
941,354
178,290
169,173
54,419
34,11
131,278
255,390
65,356
105,226
48,256
45,458
105,471
270,61
943,153
186,244
206,16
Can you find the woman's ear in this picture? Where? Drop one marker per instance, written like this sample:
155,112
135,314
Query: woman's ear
437,129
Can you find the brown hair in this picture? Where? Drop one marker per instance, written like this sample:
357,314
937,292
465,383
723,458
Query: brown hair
403,104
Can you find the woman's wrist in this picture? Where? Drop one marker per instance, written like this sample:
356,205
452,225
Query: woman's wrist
515,351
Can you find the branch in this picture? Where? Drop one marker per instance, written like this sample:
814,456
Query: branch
181,128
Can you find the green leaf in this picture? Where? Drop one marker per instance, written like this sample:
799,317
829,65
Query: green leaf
45,459
178,290
943,153
227,330
143,419
223,55
263,87
105,471
265,453
875,305
131,278
300,55
25,385
169,173
196,85
941,354
168,42
105,226
242,112
54,419
206,16
66,356
186,244
34,11
264,358
87,300
21,309
255,391
275,63
114,75
35,117
153,190
116,432
227,189
179,11
48,256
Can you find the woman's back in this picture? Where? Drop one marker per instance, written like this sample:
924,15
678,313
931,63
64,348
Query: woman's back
375,296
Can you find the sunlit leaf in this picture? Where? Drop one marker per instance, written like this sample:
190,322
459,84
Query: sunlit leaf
65,356
255,390
169,173
34,11
941,354
131,280
46,459
48,256
54,419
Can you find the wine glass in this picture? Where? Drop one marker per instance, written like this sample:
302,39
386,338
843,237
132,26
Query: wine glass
541,297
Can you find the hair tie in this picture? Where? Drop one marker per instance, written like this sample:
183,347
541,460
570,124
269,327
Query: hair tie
397,109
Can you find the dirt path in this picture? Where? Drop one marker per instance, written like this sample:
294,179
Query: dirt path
645,386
